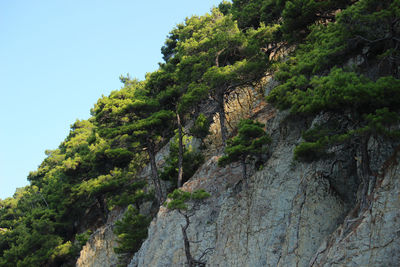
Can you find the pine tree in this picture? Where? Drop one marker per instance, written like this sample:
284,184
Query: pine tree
246,145
181,201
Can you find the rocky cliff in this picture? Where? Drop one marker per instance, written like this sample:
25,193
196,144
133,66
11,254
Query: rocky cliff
289,213
99,249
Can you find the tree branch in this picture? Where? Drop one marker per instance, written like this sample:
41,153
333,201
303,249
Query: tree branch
373,41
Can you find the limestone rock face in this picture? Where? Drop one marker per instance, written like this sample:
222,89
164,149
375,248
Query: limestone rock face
287,213
99,250
373,237
279,218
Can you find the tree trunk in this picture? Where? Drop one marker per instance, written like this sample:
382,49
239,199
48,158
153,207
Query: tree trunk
191,262
154,173
221,112
180,152
186,241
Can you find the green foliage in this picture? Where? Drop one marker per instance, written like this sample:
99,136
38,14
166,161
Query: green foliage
143,123
192,159
195,94
62,250
131,231
249,142
201,127
82,238
213,57
200,194
225,7
31,239
120,157
314,80
309,151
109,110
341,90
152,126
96,167
132,193
371,102
86,169
298,15
178,198
380,123
295,16
65,254
253,13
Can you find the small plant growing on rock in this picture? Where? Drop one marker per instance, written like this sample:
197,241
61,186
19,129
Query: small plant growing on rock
246,145
178,201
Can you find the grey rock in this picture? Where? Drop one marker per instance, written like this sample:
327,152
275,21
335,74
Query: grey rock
279,219
373,237
287,214
99,250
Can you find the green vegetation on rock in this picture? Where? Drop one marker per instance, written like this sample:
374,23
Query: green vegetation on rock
248,144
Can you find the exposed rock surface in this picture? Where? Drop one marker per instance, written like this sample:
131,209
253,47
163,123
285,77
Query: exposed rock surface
99,250
289,214
373,237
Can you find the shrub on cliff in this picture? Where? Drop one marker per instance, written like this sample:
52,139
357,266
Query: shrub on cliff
131,231
248,144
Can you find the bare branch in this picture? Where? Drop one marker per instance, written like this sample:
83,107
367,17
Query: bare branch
205,252
373,41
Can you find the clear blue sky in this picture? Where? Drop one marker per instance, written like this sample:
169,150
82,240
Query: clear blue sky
58,57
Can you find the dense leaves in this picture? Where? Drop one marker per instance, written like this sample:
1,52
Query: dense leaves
192,159
179,199
131,230
325,75
248,144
